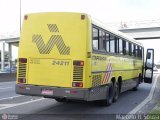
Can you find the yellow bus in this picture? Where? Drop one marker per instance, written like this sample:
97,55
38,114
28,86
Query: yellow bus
71,56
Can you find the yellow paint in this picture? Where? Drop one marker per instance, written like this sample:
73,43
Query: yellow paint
54,68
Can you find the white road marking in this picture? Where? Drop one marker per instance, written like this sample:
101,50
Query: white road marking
149,98
5,88
15,105
11,97
4,83
4,105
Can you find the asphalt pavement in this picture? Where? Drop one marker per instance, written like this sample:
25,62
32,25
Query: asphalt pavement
7,77
37,108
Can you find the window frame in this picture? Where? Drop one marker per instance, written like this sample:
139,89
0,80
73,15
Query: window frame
96,39
104,45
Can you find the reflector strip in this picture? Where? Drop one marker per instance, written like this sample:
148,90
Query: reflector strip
108,73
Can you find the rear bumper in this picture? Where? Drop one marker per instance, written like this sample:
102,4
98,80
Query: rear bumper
85,94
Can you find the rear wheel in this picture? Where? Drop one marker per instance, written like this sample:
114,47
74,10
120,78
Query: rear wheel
60,100
137,83
116,92
109,97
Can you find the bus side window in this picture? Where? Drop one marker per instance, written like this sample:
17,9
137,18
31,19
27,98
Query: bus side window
104,41
95,38
130,49
127,48
134,50
124,47
112,44
102,44
117,44
140,52
120,46
107,43
132,46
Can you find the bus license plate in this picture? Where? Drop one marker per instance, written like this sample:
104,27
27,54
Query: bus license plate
47,92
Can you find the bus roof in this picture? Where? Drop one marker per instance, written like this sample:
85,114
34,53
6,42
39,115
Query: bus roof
99,24
116,32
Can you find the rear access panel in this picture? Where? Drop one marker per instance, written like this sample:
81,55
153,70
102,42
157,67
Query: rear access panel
50,72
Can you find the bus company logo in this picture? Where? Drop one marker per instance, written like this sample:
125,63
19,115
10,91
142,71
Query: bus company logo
54,40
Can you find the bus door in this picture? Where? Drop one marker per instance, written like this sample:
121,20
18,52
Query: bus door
149,64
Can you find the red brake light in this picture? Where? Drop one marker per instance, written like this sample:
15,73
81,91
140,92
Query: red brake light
77,84
23,60
21,80
81,63
78,63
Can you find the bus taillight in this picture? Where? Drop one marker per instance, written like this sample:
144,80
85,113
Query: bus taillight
23,60
78,63
22,80
77,84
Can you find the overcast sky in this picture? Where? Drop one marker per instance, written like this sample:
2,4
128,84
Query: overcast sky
107,11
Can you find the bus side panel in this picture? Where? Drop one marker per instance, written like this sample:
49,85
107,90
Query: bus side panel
105,67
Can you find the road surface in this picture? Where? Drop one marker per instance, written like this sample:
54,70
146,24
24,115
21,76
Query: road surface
37,108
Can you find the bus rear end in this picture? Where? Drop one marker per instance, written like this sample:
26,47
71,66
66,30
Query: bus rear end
53,56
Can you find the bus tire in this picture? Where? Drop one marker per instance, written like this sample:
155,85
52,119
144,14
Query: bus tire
109,97
137,83
116,92
60,100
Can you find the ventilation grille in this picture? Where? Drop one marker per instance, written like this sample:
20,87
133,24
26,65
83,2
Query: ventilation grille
96,80
78,73
96,90
22,70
